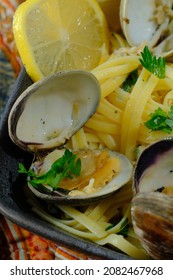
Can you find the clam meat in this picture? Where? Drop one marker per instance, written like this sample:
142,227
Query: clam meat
43,119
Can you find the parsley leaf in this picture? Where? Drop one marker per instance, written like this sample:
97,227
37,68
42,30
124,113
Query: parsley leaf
65,167
110,226
157,66
22,169
123,228
130,81
160,120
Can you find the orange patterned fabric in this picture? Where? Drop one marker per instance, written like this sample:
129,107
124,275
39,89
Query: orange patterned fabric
7,44
17,243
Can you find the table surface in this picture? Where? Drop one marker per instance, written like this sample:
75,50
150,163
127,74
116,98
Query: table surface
17,243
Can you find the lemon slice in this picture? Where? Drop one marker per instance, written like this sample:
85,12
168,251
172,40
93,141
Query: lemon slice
58,35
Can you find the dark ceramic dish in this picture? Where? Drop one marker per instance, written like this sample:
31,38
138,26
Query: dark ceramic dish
12,202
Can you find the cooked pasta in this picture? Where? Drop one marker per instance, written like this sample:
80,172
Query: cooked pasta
119,121
100,222
118,125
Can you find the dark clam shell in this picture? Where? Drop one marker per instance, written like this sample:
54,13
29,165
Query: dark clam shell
152,216
152,209
152,156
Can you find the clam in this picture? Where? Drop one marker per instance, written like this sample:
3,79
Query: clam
149,21
96,181
152,215
152,205
44,118
51,110
154,168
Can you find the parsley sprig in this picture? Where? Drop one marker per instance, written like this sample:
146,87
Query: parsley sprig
161,120
130,81
66,166
156,66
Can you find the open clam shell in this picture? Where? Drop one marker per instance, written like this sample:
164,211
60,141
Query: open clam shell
152,205
89,193
51,110
154,168
135,16
148,22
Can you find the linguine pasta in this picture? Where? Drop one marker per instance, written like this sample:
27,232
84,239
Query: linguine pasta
97,222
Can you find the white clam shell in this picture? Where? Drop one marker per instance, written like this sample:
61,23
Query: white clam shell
51,110
135,18
140,24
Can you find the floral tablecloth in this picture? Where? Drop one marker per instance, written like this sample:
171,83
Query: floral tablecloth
17,243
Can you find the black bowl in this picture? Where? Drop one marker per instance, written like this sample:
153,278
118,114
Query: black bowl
12,202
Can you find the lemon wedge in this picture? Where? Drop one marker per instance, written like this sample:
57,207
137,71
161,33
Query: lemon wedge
59,35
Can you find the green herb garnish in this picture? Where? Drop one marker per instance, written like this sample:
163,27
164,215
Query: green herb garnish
66,166
123,228
130,81
157,66
160,120
110,226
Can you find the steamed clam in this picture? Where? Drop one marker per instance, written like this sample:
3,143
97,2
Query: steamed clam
152,215
152,206
103,173
149,22
51,110
43,119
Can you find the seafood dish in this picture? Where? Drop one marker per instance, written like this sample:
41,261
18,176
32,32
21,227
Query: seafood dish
94,147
